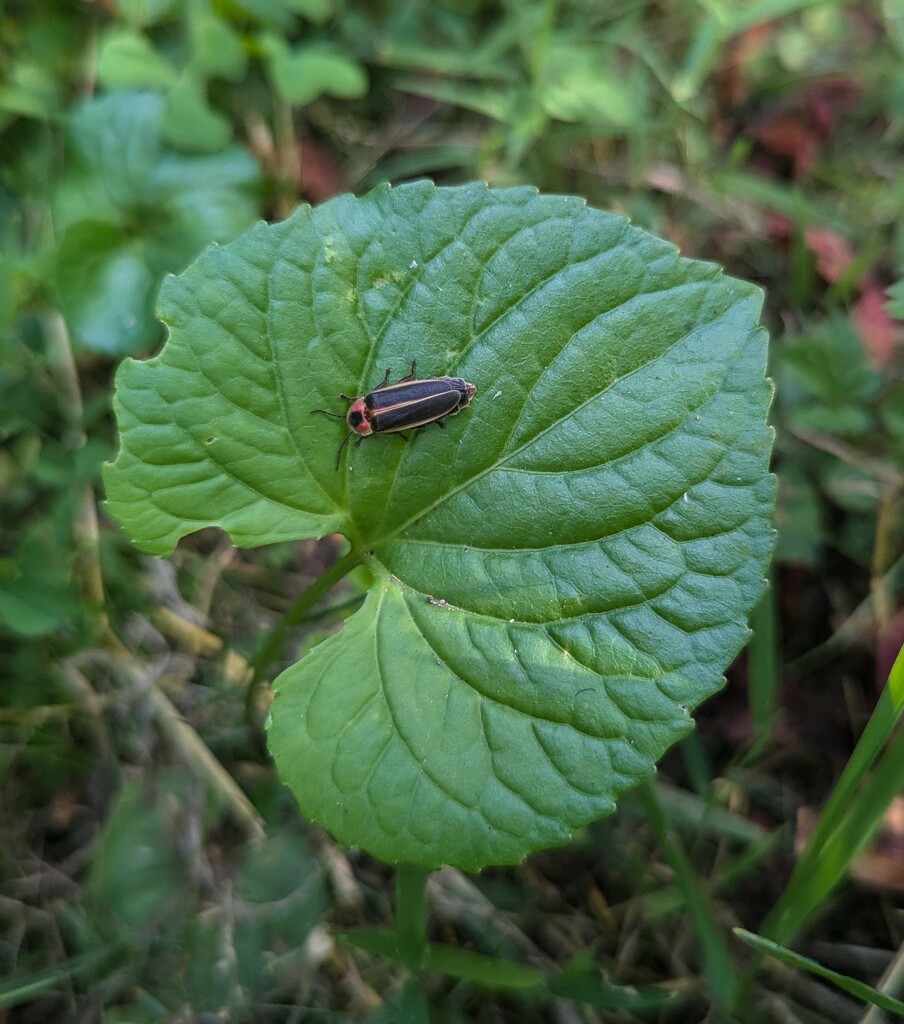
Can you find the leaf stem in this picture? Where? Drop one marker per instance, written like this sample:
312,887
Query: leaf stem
273,645
411,913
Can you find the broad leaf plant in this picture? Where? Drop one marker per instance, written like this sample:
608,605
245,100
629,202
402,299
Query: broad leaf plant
558,578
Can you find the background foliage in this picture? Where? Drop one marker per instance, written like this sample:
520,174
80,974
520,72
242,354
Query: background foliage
153,867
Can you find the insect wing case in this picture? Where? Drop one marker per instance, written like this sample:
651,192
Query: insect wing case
416,403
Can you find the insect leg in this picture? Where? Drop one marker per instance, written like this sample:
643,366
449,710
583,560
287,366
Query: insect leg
410,375
341,446
385,380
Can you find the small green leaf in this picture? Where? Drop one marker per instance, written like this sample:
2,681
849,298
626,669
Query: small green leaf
558,577
189,123
30,90
217,49
127,60
310,71
133,209
313,10
36,593
275,13
829,363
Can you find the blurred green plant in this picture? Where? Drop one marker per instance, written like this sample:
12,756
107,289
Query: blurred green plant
732,129
842,444
129,210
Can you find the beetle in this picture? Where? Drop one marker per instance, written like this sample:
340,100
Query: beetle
406,405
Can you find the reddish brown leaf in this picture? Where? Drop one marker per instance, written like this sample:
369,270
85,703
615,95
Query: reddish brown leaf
789,134
833,253
880,334
797,129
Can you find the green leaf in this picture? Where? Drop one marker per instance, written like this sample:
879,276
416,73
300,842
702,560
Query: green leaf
106,288
132,210
826,380
36,593
145,12
217,49
314,10
276,13
558,577
189,122
302,75
127,60
829,363
30,90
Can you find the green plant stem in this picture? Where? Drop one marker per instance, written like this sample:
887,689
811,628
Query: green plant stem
411,913
287,158
273,645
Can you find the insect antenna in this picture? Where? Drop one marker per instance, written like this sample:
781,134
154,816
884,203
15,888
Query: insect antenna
326,412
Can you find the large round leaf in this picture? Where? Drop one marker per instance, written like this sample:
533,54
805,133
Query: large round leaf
558,576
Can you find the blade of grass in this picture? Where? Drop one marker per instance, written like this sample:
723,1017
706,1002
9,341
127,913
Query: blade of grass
699,768
779,197
850,816
688,812
704,50
749,15
494,103
762,668
717,965
892,980
665,903
851,985
22,989
491,971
